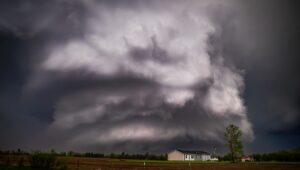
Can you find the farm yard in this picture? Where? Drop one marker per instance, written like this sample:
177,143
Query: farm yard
83,163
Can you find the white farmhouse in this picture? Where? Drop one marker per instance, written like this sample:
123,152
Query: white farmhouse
188,155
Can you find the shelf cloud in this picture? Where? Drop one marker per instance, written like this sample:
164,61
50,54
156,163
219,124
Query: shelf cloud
110,75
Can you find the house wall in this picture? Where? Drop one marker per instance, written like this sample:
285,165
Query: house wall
189,157
198,157
175,156
205,157
192,157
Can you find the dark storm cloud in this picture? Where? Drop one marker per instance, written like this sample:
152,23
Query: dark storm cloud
31,18
114,75
265,36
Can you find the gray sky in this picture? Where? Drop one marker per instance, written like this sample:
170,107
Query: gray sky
148,76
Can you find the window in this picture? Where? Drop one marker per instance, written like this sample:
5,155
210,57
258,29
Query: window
192,156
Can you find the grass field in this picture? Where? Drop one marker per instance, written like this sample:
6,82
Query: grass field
82,163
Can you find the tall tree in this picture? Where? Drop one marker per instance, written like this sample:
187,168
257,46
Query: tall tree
233,137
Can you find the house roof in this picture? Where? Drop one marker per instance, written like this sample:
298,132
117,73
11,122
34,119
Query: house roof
193,152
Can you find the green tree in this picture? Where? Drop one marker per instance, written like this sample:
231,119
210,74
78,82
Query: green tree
233,138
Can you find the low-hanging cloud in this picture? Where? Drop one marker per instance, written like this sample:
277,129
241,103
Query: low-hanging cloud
166,83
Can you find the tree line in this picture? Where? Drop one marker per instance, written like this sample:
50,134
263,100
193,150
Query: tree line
281,156
123,155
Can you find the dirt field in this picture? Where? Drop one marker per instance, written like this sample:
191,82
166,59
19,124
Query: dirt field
117,164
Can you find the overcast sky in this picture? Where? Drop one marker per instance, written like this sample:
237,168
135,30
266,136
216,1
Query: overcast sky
148,76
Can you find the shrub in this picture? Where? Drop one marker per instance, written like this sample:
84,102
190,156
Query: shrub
8,162
21,162
41,160
61,166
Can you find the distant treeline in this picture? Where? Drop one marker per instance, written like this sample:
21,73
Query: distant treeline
280,156
123,155
287,156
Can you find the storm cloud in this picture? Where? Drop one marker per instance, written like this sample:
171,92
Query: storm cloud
133,76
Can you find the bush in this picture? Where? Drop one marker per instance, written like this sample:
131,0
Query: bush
21,162
41,160
61,166
8,162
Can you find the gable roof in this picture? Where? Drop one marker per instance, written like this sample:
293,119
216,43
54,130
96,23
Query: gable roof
193,152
